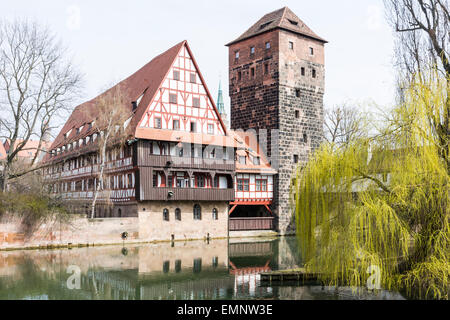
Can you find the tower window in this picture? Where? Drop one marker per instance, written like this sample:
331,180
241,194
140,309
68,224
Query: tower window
291,45
252,72
252,50
236,55
266,68
239,75
311,51
193,78
313,73
295,158
176,75
196,102
267,45
297,93
303,71
173,98
297,114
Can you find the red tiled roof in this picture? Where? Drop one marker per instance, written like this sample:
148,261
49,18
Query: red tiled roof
282,18
247,144
30,148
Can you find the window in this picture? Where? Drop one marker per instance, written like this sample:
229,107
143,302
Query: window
197,267
166,214
193,127
176,75
295,158
215,214
196,102
297,114
197,212
236,55
239,75
176,124
158,123
210,129
242,159
293,22
267,45
305,138
177,266
178,214
303,71
201,181
243,184
252,50
252,72
256,161
173,98
193,78
311,51
297,93
261,184
291,45
166,266
313,73
266,68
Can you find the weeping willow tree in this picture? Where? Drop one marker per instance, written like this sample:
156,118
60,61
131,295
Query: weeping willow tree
382,202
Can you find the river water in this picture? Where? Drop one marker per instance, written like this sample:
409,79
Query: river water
217,269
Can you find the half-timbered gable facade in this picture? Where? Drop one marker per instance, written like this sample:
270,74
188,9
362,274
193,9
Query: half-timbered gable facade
253,185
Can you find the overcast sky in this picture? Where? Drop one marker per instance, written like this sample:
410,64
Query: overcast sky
109,40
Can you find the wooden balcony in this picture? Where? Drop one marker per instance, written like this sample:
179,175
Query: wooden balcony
185,162
250,224
194,194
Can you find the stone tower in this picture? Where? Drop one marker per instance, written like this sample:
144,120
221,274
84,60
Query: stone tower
221,106
277,77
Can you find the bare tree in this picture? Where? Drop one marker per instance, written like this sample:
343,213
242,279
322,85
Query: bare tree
37,84
422,28
112,117
423,50
344,124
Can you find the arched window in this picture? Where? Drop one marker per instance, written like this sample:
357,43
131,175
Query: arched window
178,214
215,214
197,212
166,214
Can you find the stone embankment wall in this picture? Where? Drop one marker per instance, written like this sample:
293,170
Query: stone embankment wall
77,231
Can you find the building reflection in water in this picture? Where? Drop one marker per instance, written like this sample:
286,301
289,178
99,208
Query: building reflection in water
191,270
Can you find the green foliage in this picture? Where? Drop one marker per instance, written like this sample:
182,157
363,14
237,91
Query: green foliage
32,208
382,201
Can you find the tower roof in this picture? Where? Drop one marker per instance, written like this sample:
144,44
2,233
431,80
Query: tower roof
220,104
282,18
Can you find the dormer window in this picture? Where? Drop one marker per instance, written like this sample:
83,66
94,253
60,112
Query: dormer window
264,25
78,131
295,23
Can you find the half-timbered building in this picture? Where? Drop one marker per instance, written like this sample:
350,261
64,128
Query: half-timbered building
175,171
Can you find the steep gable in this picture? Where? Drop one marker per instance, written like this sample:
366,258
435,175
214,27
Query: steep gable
183,101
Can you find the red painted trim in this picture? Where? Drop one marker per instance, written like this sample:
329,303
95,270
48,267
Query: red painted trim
232,209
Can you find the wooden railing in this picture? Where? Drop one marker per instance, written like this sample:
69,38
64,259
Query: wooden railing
254,223
199,194
186,162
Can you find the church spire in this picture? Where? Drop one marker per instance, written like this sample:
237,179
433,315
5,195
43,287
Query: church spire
221,105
